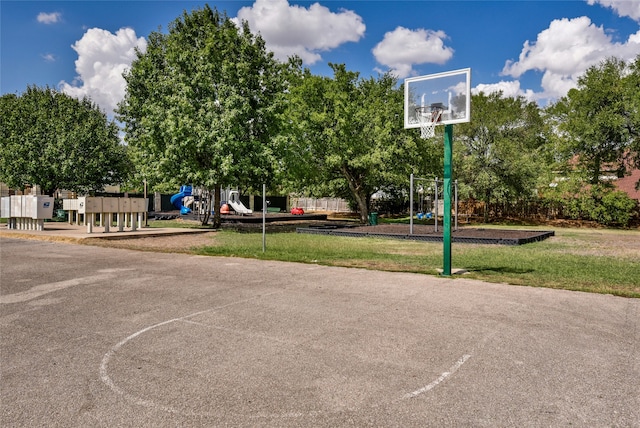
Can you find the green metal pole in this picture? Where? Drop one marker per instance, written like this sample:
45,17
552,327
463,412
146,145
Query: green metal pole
448,161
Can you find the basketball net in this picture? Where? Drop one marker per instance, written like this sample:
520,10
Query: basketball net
428,121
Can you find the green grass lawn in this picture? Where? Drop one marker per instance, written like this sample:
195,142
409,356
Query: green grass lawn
598,261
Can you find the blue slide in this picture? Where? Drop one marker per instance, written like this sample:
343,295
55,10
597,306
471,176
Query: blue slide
176,200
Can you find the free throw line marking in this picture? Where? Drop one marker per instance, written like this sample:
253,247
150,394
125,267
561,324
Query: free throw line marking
440,379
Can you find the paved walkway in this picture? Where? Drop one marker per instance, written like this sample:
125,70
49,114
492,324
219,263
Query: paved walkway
72,231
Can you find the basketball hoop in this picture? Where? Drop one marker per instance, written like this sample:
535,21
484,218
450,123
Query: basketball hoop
428,118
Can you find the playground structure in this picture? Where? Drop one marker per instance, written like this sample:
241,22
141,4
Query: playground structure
128,212
26,212
428,207
236,209
193,200
183,200
190,199
237,205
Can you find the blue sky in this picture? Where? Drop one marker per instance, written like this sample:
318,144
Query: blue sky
532,48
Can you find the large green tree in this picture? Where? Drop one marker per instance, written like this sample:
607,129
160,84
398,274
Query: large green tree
50,139
202,104
500,152
632,95
600,119
346,137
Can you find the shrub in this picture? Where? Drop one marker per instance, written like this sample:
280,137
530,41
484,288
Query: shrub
619,208
597,203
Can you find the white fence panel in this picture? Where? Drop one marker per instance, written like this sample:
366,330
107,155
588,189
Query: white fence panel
321,204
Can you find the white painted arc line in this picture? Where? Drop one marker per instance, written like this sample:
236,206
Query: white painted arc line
104,373
104,366
440,379
186,321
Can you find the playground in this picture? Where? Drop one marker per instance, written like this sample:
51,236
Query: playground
197,200
236,216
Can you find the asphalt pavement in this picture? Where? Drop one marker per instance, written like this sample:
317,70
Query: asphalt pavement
101,337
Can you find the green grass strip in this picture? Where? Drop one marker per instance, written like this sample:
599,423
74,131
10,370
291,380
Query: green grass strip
541,264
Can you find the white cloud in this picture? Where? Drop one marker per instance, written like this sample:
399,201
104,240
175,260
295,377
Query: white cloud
508,89
49,18
102,58
565,50
630,8
49,57
293,30
402,48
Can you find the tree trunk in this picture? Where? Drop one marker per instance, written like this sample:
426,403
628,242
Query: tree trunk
595,170
359,195
207,208
216,207
361,200
487,199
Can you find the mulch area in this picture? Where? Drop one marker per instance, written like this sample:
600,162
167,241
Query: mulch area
428,233
319,224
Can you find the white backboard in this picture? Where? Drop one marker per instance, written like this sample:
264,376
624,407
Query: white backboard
450,90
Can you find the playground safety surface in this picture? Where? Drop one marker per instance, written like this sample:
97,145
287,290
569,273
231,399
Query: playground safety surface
428,233
300,224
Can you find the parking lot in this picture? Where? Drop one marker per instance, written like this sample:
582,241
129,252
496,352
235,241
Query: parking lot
109,337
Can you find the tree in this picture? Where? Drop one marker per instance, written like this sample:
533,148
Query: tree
346,136
632,95
202,104
499,151
601,117
50,139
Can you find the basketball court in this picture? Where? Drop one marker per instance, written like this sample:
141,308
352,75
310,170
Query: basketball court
105,337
